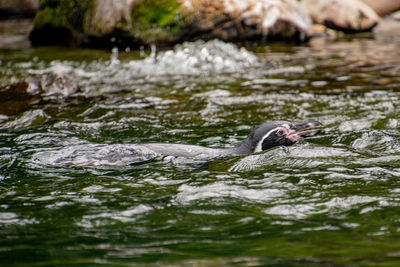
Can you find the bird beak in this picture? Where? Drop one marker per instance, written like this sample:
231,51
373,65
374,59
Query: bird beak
303,130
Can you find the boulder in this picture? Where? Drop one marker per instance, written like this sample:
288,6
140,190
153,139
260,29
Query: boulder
60,22
52,84
388,30
19,96
396,15
249,20
135,22
15,98
26,8
345,15
107,16
383,7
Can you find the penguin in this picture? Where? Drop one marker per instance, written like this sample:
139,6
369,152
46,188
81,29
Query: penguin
265,136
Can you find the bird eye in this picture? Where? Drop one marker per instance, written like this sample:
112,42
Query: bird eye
280,132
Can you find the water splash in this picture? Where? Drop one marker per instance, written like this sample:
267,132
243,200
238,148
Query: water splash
194,58
114,57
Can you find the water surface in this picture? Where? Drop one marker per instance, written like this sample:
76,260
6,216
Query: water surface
71,194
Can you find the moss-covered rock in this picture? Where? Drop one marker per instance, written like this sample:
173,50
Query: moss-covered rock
105,22
159,20
60,22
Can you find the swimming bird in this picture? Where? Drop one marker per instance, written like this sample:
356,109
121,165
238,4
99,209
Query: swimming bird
265,136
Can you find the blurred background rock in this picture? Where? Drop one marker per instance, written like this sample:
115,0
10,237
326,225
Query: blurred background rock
19,8
106,23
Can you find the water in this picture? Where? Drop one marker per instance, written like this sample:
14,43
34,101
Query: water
71,193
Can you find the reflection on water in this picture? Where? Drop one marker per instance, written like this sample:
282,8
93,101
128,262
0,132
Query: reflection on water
69,182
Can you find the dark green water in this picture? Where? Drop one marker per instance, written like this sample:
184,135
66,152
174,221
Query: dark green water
69,194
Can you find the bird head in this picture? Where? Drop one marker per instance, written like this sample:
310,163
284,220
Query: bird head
279,133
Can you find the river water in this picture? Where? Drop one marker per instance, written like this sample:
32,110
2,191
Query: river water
70,193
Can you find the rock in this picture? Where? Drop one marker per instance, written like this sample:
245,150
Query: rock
249,20
108,16
52,84
15,33
396,15
154,21
21,95
61,22
26,8
388,30
15,98
108,23
320,30
383,7
344,15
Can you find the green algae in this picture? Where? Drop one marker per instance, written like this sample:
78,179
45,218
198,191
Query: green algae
62,13
158,20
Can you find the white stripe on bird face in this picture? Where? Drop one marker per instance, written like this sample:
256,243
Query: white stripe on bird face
259,144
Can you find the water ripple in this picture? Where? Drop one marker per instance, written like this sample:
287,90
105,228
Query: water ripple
216,191
73,174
